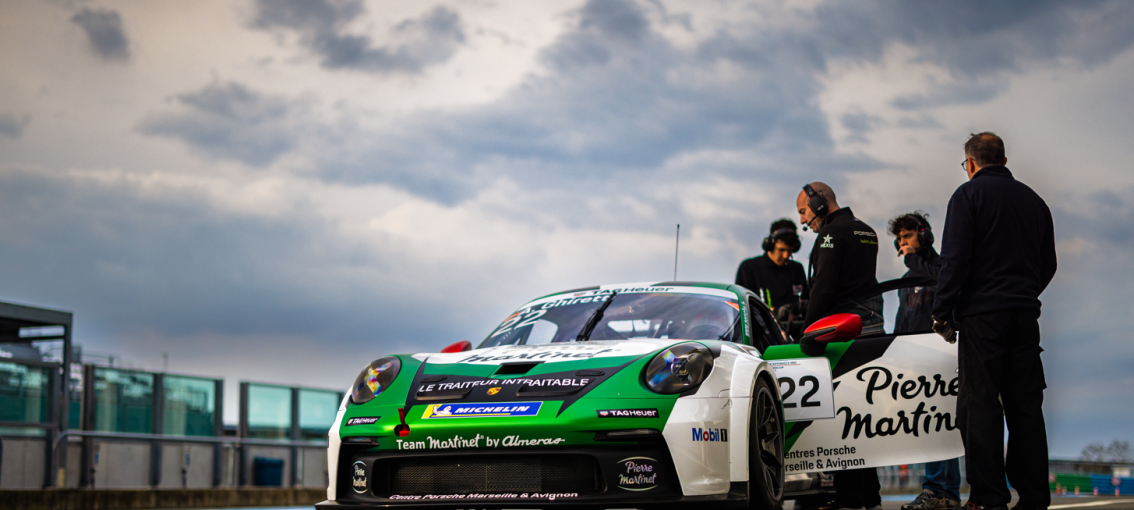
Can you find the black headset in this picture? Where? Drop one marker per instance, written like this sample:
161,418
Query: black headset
817,202
924,232
769,243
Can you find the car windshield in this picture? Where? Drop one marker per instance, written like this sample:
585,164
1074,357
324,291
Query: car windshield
665,315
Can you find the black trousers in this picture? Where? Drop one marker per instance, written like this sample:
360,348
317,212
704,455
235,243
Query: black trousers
857,488
999,359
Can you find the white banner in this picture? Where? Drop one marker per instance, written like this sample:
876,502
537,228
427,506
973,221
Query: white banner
897,409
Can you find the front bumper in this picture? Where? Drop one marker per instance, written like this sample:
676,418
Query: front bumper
640,476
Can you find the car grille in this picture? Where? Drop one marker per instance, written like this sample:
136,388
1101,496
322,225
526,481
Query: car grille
495,474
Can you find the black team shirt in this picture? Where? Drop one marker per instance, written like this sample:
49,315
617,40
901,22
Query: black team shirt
915,304
843,261
767,280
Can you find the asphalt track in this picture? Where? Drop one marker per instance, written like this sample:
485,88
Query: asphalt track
895,502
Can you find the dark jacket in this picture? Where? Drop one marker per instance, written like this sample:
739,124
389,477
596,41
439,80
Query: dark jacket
843,263
769,281
998,247
915,305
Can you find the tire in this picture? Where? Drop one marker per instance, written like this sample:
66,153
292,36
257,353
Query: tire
765,450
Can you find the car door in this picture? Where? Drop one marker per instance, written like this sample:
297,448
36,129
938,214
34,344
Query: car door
885,400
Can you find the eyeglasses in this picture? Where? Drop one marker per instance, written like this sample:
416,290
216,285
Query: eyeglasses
965,164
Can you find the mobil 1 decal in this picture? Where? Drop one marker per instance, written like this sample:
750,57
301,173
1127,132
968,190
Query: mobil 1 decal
894,401
805,387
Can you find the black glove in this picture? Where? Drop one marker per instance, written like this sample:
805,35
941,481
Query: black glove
945,329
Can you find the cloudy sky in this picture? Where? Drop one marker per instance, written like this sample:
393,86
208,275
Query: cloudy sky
283,190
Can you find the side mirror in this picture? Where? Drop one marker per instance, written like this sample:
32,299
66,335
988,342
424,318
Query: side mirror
465,345
840,327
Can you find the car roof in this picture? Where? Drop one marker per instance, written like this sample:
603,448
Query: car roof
711,285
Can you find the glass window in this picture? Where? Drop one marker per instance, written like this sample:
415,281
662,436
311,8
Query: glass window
776,334
269,411
75,407
124,401
317,410
190,405
761,337
684,315
24,392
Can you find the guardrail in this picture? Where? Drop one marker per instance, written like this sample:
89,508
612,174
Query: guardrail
234,442
188,439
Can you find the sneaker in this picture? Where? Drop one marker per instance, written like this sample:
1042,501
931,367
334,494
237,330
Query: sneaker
929,500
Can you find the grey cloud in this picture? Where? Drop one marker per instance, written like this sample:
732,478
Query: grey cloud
859,124
620,101
172,263
104,31
12,125
421,42
1108,222
976,41
230,121
923,121
974,92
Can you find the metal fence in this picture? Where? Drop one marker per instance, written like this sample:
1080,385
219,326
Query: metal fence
133,428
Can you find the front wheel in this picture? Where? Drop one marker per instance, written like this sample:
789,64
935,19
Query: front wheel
765,450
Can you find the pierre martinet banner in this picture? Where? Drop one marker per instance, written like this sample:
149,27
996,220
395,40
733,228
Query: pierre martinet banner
895,402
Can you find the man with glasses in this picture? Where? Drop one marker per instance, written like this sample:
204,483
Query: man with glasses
998,255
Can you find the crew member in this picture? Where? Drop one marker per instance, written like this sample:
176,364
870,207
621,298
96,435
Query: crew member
843,262
998,255
913,238
914,242
773,276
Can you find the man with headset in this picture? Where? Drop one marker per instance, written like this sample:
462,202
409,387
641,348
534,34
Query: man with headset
998,255
773,276
843,263
913,238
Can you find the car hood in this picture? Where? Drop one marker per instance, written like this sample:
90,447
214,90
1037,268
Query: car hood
517,373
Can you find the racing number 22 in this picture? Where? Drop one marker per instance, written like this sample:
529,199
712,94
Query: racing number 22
803,402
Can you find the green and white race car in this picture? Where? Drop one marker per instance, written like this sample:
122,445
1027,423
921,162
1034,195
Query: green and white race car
638,396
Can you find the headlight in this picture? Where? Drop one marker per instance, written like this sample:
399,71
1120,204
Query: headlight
679,368
375,378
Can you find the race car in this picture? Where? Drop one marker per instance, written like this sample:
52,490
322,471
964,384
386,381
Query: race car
634,395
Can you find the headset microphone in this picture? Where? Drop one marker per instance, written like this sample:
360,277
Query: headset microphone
817,203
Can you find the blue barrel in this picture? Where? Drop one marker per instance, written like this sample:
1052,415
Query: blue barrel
267,472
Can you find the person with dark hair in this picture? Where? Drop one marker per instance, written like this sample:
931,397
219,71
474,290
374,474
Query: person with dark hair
913,238
773,276
998,256
843,263
914,242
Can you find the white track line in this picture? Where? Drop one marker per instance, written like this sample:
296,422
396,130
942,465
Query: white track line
1093,503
